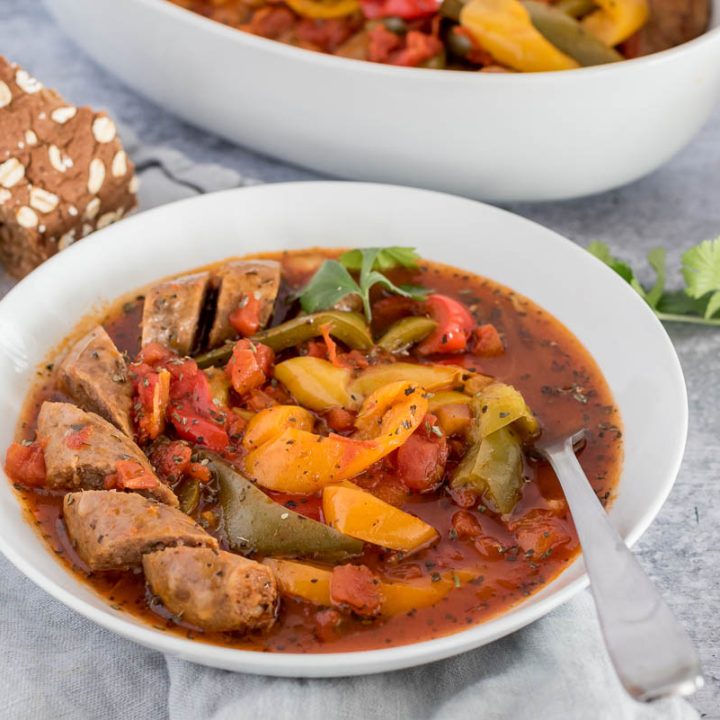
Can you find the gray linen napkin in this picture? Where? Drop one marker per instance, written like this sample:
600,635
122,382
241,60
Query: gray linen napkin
59,665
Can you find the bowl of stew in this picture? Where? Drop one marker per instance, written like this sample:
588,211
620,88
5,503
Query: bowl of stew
498,136
286,437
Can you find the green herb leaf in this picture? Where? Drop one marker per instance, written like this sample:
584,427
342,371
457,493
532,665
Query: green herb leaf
657,259
416,292
701,270
602,252
330,284
698,303
385,258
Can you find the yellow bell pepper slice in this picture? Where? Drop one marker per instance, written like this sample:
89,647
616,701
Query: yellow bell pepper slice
449,397
316,383
431,377
324,9
295,460
616,20
268,423
301,580
500,405
505,30
310,583
219,386
361,515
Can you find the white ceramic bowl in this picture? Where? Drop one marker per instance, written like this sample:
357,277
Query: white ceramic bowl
496,137
615,325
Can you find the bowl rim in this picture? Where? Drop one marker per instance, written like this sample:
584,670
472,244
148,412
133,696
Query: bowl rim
711,35
355,662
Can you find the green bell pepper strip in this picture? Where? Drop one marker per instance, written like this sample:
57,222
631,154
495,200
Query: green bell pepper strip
189,495
493,467
348,327
575,8
256,524
569,36
404,333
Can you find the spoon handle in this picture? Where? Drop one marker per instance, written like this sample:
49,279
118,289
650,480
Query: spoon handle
652,654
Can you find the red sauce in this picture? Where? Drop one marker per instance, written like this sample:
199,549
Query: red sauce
559,380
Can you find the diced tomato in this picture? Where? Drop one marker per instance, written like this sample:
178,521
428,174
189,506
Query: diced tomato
330,344
326,35
354,360
355,587
339,419
381,43
197,429
327,624
455,324
489,548
487,341
249,366
245,319
199,472
153,353
390,490
540,532
77,438
467,527
419,47
131,475
462,497
26,464
317,348
236,425
630,48
421,459
390,309
153,395
257,400
406,9
171,459
270,22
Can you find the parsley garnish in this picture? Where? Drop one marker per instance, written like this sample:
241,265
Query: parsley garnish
332,282
698,302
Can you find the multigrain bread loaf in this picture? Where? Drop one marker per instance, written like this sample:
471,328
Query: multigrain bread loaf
63,171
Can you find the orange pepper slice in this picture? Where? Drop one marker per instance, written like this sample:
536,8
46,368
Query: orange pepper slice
297,461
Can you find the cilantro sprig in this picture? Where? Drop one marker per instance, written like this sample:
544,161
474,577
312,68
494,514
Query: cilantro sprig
333,281
698,302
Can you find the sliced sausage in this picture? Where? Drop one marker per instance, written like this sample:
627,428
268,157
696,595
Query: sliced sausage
216,591
81,450
171,313
671,23
112,530
95,374
238,280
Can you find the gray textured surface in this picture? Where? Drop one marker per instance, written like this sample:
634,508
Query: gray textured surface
677,206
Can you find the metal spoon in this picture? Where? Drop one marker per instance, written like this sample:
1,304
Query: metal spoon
652,654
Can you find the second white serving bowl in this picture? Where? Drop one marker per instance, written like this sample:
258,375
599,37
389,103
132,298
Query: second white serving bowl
498,137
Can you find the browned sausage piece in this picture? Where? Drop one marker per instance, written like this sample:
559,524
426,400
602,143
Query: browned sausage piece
673,22
112,530
238,279
81,449
216,591
171,313
95,374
